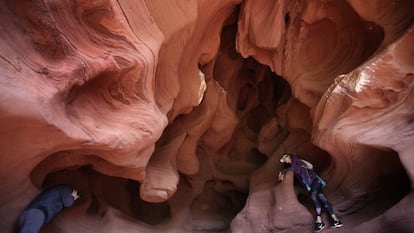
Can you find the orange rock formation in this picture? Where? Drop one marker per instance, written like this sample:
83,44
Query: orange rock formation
171,115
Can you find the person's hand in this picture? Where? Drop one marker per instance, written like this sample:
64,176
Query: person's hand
281,176
75,194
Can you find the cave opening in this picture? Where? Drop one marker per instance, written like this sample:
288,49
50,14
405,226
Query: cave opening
259,96
377,183
267,118
371,189
263,102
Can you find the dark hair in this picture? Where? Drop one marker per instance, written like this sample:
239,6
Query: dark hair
284,155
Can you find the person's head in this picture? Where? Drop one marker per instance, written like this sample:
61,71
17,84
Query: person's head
75,194
286,158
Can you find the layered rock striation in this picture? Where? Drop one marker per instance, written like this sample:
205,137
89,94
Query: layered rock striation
171,116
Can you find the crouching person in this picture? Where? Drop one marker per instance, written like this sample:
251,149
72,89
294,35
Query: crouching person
46,206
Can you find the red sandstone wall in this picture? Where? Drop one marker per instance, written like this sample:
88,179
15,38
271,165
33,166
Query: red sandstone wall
171,115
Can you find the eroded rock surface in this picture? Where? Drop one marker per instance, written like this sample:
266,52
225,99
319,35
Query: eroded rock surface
171,115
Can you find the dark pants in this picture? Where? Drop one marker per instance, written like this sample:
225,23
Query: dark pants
319,198
31,221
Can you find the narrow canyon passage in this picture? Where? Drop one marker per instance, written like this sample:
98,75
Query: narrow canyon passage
171,116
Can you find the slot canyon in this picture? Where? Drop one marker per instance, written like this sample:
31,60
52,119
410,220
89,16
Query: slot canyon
171,116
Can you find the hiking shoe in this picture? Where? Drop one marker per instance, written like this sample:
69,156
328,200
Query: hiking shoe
337,224
318,227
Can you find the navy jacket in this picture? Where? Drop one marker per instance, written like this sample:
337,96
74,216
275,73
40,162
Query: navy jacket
52,201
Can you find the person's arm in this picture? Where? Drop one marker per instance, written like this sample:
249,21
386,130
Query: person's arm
290,168
294,166
306,164
66,196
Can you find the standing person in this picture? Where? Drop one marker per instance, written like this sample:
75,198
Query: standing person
314,184
45,206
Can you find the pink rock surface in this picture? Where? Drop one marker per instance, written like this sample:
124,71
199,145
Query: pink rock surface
171,115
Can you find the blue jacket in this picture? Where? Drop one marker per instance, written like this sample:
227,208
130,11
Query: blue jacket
52,201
